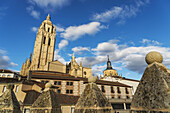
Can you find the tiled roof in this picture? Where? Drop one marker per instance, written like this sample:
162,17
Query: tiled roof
59,76
54,76
23,81
6,71
103,82
67,99
30,97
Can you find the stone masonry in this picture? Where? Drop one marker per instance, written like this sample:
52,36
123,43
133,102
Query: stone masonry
92,100
153,92
9,102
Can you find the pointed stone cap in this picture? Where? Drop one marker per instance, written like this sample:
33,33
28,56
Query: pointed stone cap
9,101
48,17
92,100
48,100
153,91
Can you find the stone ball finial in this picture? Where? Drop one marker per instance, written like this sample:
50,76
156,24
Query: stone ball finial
10,86
48,85
92,79
153,57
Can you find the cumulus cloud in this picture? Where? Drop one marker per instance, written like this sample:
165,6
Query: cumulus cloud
75,32
132,58
58,57
33,12
34,29
79,49
59,28
150,42
5,61
120,12
62,44
97,69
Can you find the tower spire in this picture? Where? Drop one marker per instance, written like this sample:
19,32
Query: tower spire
109,66
108,57
48,17
73,57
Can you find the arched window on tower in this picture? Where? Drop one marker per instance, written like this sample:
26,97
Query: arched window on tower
44,40
49,42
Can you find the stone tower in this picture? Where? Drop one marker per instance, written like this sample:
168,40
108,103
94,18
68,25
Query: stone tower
44,46
43,49
109,71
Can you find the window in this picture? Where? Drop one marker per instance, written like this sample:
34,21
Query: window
49,42
67,91
117,106
58,91
126,90
118,90
71,91
4,89
55,83
16,89
127,97
72,110
69,83
84,73
102,88
128,105
27,110
44,40
118,97
48,29
59,82
112,90
113,96
3,75
8,76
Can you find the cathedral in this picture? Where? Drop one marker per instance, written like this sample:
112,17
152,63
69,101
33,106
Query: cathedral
43,55
43,77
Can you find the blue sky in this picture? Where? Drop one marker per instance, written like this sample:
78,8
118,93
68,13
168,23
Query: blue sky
126,30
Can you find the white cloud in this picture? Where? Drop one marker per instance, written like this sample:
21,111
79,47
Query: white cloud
33,12
150,42
62,44
132,58
49,3
59,28
98,69
75,32
2,52
120,13
58,57
79,49
107,15
5,61
34,29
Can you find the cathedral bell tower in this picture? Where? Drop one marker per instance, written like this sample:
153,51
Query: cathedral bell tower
44,46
